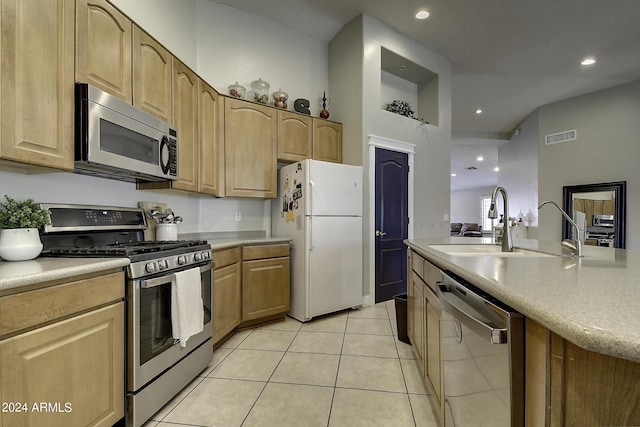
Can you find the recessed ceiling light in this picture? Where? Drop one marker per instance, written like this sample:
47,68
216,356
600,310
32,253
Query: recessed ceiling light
480,158
453,174
588,61
478,111
496,169
423,14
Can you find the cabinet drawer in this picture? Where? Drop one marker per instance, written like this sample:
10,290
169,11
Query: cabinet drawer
432,275
226,257
264,251
28,309
417,264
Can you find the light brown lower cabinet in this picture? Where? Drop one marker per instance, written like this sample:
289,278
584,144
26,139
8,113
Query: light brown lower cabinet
227,292
567,385
425,328
70,371
266,279
251,285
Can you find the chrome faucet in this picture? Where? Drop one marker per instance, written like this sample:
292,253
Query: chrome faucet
507,242
575,244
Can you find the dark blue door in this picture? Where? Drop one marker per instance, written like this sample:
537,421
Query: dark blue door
392,173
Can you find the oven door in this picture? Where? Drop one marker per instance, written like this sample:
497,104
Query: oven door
151,348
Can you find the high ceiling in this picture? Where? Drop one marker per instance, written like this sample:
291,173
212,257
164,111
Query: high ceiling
508,56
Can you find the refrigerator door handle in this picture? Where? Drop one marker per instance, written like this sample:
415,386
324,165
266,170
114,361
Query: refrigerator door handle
310,213
310,196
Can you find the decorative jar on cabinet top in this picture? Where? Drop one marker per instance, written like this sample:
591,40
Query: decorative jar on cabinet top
260,91
237,90
280,98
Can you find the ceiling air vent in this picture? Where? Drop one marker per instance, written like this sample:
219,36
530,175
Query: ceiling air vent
557,138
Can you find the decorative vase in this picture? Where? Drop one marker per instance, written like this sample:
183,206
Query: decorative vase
323,103
20,244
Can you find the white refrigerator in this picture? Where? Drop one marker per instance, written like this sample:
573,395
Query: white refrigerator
319,207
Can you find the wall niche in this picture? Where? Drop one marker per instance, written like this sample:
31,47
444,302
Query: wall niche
402,79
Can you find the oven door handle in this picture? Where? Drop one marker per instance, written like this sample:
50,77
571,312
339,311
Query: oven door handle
157,281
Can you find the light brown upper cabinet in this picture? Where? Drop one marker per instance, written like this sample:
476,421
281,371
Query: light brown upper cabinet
37,83
250,150
185,119
152,76
327,140
103,48
295,135
211,137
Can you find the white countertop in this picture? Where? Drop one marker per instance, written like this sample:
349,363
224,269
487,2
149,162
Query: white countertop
591,301
218,244
24,275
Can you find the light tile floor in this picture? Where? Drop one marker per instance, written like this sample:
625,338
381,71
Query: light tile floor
344,370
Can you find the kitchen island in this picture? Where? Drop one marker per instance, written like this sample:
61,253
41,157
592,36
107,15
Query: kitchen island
582,337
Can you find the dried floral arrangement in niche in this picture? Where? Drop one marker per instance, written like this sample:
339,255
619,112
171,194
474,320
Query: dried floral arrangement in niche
403,108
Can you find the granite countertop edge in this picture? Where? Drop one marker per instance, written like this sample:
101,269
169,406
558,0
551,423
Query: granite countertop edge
20,276
603,328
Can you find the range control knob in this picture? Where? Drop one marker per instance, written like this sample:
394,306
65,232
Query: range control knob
197,257
182,260
163,264
150,267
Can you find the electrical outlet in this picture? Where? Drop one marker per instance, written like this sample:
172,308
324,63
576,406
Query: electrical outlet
445,217
238,215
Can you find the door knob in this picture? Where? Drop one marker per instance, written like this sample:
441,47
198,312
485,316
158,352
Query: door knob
380,233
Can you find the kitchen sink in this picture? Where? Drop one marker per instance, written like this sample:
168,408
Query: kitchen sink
486,250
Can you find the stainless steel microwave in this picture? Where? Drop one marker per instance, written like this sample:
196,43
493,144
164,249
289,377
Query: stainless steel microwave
116,140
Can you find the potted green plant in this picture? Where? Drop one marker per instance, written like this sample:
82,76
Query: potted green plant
19,223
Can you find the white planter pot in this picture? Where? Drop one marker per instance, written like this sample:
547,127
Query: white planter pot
20,244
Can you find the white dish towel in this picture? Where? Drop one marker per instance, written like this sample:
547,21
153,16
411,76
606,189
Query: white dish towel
187,311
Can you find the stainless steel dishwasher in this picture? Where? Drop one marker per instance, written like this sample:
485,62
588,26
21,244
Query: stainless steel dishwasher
483,354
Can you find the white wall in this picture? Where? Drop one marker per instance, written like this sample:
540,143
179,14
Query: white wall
80,189
465,204
518,161
606,150
238,46
171,22
432,143
355,53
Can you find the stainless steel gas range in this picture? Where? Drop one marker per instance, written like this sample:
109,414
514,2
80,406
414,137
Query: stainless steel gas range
157,367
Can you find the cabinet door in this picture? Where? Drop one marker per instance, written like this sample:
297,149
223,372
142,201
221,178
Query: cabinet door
76,364
37,82
295,133
433,360
418,316
265,287
151,76
210,136
227,300
185,119
327,141
250,150
103,48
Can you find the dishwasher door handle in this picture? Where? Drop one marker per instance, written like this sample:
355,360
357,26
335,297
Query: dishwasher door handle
496,335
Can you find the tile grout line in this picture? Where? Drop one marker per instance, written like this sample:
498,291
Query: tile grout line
270,376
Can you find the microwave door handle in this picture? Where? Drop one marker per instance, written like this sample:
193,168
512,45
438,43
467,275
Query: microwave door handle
157,281
164,145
